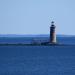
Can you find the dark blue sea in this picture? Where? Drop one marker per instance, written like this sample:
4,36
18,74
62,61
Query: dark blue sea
37,60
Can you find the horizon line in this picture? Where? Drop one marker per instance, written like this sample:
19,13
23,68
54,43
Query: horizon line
39,34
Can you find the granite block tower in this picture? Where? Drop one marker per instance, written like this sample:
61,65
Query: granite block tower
52,33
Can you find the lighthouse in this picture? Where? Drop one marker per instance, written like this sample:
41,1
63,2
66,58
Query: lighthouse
52,33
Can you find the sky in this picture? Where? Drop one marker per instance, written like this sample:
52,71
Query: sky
35,16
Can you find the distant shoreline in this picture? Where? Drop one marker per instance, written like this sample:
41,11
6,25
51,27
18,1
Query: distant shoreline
22,44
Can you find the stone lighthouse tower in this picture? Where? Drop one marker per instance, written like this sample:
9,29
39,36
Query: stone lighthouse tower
52,33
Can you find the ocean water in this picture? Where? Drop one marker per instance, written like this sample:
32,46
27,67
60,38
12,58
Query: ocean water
63,40
37,60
